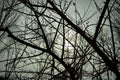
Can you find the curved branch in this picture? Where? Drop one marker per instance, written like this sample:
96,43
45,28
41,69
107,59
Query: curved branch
67,67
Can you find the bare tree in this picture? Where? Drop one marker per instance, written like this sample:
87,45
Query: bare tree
44,39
